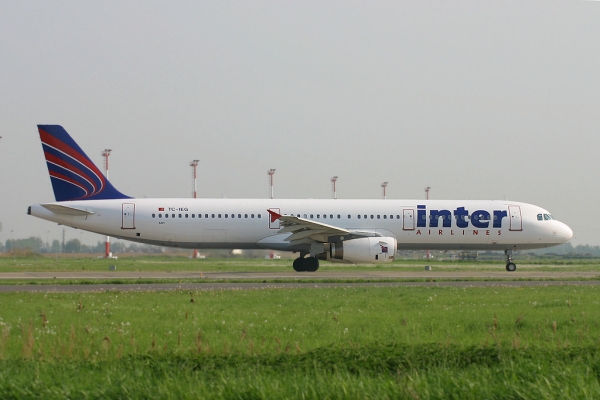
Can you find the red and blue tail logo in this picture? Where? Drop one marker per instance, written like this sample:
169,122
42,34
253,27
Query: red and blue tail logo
73,175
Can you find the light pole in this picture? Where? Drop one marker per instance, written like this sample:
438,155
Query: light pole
384,186
333,181
194,165
105,154
271,172
428,254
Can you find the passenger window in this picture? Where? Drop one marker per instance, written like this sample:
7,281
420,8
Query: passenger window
186,215
212,215
324,216
371,216
245,215
173,215
153,215
251,215
239,215
305,216
259,215
179,215
311,215
349,216
385,217
193,215
358,216
166,215
331,216
378,217
539,217
397,217
365,216
206,216
226,215
318,216
159,215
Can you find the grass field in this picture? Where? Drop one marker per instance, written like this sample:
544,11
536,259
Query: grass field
405,342
50,263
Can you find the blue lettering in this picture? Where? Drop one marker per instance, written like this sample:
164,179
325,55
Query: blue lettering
460,213
434,215
421,217
480,219
498,215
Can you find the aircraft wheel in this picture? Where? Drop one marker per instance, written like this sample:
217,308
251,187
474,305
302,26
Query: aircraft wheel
299,264
511,267
312,264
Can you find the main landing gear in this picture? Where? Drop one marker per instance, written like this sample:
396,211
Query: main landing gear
510,265
308,264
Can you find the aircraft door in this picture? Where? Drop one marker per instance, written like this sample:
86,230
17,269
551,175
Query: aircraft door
516,223
408,219
128,216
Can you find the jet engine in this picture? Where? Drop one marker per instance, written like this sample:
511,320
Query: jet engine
364,250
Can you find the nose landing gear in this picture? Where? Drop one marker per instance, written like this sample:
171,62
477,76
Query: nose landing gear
510,265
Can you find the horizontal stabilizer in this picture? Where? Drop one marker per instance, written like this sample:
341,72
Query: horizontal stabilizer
64,210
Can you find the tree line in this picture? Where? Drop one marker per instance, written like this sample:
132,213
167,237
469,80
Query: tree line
37,245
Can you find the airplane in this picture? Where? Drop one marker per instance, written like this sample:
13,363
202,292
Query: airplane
354,231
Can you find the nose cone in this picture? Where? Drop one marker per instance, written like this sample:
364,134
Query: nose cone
564,233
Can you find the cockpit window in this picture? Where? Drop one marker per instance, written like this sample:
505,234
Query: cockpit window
540,218
547,217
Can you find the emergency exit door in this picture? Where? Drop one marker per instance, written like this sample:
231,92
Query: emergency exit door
128,216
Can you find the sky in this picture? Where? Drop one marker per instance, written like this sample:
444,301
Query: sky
477,100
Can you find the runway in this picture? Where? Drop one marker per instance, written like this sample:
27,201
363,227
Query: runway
379,274
267,280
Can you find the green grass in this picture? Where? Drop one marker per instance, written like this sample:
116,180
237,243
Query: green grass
130,263
404,342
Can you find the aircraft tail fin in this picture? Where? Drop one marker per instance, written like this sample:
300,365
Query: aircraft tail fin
73,175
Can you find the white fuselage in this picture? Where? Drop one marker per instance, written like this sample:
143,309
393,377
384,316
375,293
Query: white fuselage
246,223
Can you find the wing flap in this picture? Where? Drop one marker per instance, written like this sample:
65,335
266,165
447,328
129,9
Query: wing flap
304,230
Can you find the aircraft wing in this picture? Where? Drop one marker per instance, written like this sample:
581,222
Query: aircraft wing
306,231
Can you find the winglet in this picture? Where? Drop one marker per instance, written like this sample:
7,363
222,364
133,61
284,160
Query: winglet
73,175
274,215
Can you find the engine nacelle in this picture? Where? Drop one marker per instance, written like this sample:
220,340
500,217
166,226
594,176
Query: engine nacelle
365,250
